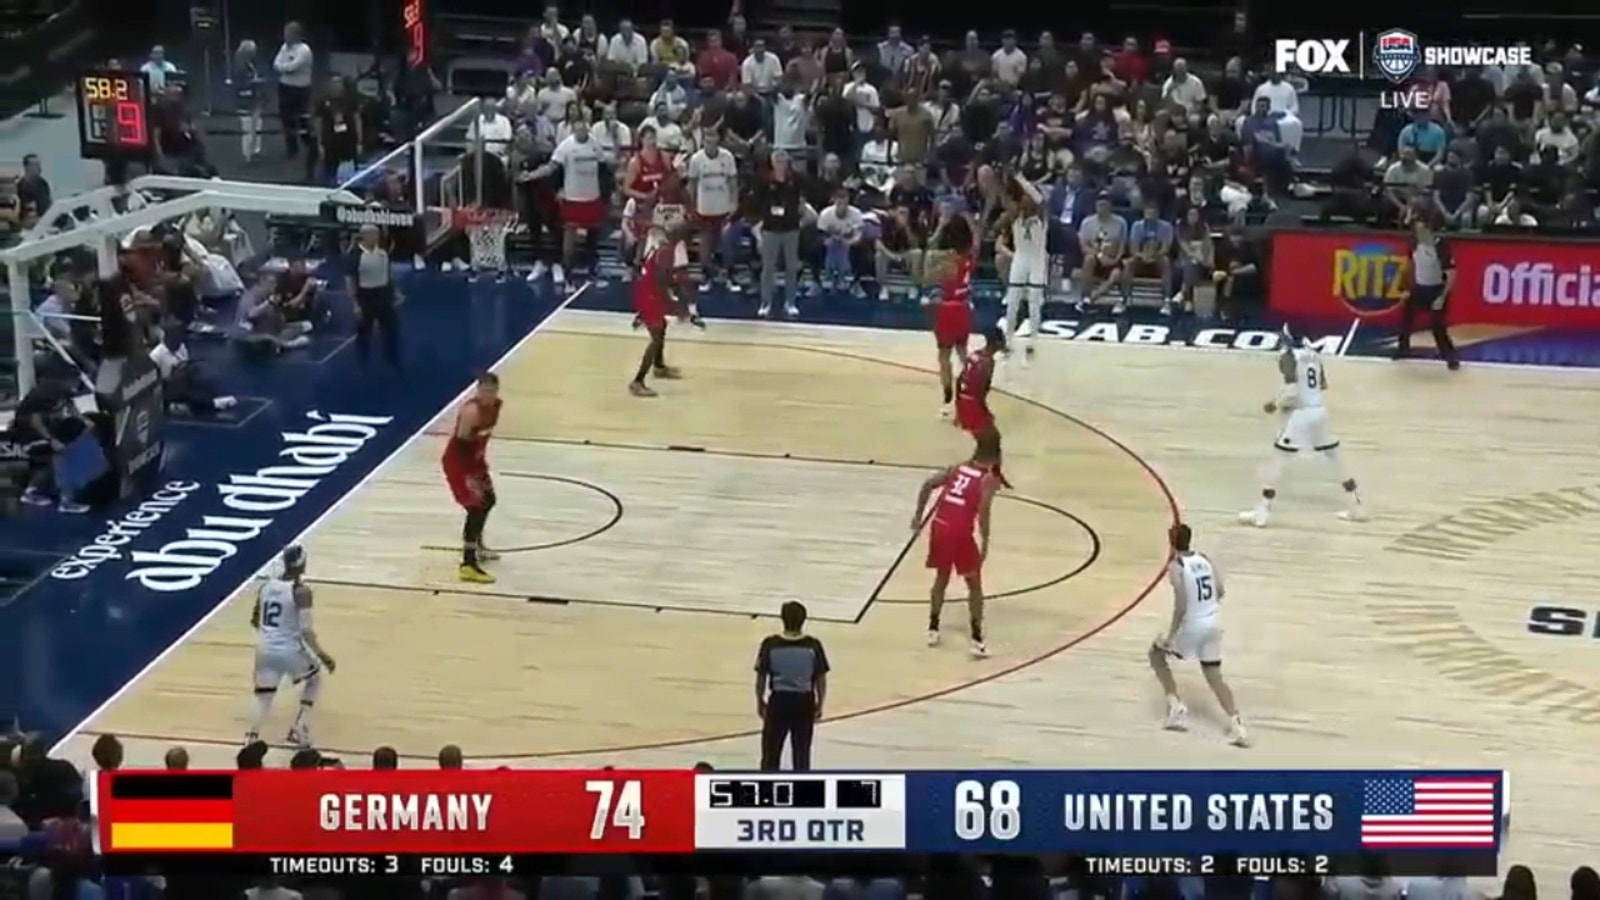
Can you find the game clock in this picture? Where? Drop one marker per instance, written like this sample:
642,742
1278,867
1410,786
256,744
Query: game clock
114,120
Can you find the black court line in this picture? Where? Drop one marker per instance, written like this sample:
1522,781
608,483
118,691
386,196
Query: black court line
1095,549
555,601
617,512
731,454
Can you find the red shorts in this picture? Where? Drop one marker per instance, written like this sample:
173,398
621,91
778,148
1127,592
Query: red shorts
952,325
651,312
467,487
953,551
708,223
585,214
973,418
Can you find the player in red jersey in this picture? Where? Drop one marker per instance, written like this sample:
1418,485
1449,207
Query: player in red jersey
958,533
466,471
657,295
952,324
649,185
972,395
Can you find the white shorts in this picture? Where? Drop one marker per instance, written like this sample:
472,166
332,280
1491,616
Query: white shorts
1306,429
1029,271
274,664
1200,640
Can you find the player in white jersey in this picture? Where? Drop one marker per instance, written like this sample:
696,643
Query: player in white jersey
1195,632
1028,278
1305,430
288,647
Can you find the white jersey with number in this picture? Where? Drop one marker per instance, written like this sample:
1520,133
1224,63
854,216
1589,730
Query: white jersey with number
715,180
1304,399
1030,264
282,652
1199,590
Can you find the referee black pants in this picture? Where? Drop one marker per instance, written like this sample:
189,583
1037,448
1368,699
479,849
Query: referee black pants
791,718
1422,299
375,312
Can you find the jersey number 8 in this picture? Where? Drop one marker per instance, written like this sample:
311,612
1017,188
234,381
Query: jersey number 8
1314,379
994,811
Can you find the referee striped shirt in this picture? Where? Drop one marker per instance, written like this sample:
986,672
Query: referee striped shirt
792,665
1430,260
372,267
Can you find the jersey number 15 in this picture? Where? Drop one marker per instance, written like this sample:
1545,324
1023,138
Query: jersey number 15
1204,590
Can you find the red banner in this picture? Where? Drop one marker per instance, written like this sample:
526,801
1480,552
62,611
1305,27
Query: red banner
411,811
1499,280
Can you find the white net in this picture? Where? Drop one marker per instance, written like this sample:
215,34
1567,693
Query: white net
486,232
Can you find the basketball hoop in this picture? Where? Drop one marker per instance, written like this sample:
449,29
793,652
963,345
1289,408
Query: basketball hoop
486,231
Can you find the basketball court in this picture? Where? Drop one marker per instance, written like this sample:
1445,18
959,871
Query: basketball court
648,545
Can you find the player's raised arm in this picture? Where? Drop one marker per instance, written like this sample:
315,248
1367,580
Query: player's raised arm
929,485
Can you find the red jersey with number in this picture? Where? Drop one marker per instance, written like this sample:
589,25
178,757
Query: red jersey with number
952,317
972,392
662,266
470,455
957,287
654,172
956,509
952,529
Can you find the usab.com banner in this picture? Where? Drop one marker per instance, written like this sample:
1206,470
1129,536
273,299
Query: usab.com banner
1499,280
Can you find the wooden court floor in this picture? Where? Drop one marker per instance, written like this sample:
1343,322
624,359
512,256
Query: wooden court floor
649,543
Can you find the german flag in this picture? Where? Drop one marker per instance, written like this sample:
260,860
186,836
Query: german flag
178,811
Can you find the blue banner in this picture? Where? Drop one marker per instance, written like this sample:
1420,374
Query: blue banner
1341,814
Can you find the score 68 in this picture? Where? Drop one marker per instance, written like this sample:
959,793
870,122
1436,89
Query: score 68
992,810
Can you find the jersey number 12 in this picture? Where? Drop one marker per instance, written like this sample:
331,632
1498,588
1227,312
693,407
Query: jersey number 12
271,612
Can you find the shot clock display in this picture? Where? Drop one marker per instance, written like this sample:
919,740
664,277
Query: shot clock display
114,115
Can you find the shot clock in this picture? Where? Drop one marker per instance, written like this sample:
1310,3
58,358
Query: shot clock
114,115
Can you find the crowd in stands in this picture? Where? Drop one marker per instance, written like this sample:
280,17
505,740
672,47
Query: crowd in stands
44,825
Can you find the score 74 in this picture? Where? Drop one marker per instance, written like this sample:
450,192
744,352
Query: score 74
614,808
988,811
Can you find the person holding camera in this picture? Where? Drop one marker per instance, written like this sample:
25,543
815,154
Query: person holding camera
47,421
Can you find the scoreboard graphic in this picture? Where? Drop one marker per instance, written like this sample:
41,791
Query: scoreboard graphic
525,822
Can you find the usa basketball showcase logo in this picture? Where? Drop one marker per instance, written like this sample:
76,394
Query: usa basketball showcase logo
1397,54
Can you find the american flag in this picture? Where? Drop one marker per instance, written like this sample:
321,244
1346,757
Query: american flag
1426,813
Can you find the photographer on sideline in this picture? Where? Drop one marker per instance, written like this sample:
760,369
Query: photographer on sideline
47,420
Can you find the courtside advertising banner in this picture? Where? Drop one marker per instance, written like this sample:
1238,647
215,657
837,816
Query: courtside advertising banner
1499,280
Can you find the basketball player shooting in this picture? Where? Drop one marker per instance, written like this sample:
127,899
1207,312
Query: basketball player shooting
661,291
958,534
288,646
952,325
1194,632
466,472
1028,279
972,396
1305,429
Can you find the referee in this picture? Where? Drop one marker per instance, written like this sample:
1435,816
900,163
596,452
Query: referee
1433,273
372,284
791,684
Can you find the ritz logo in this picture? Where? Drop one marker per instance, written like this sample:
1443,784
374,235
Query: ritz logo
1371,279
1564,621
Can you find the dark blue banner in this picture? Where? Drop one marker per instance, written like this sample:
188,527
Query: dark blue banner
1190,813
